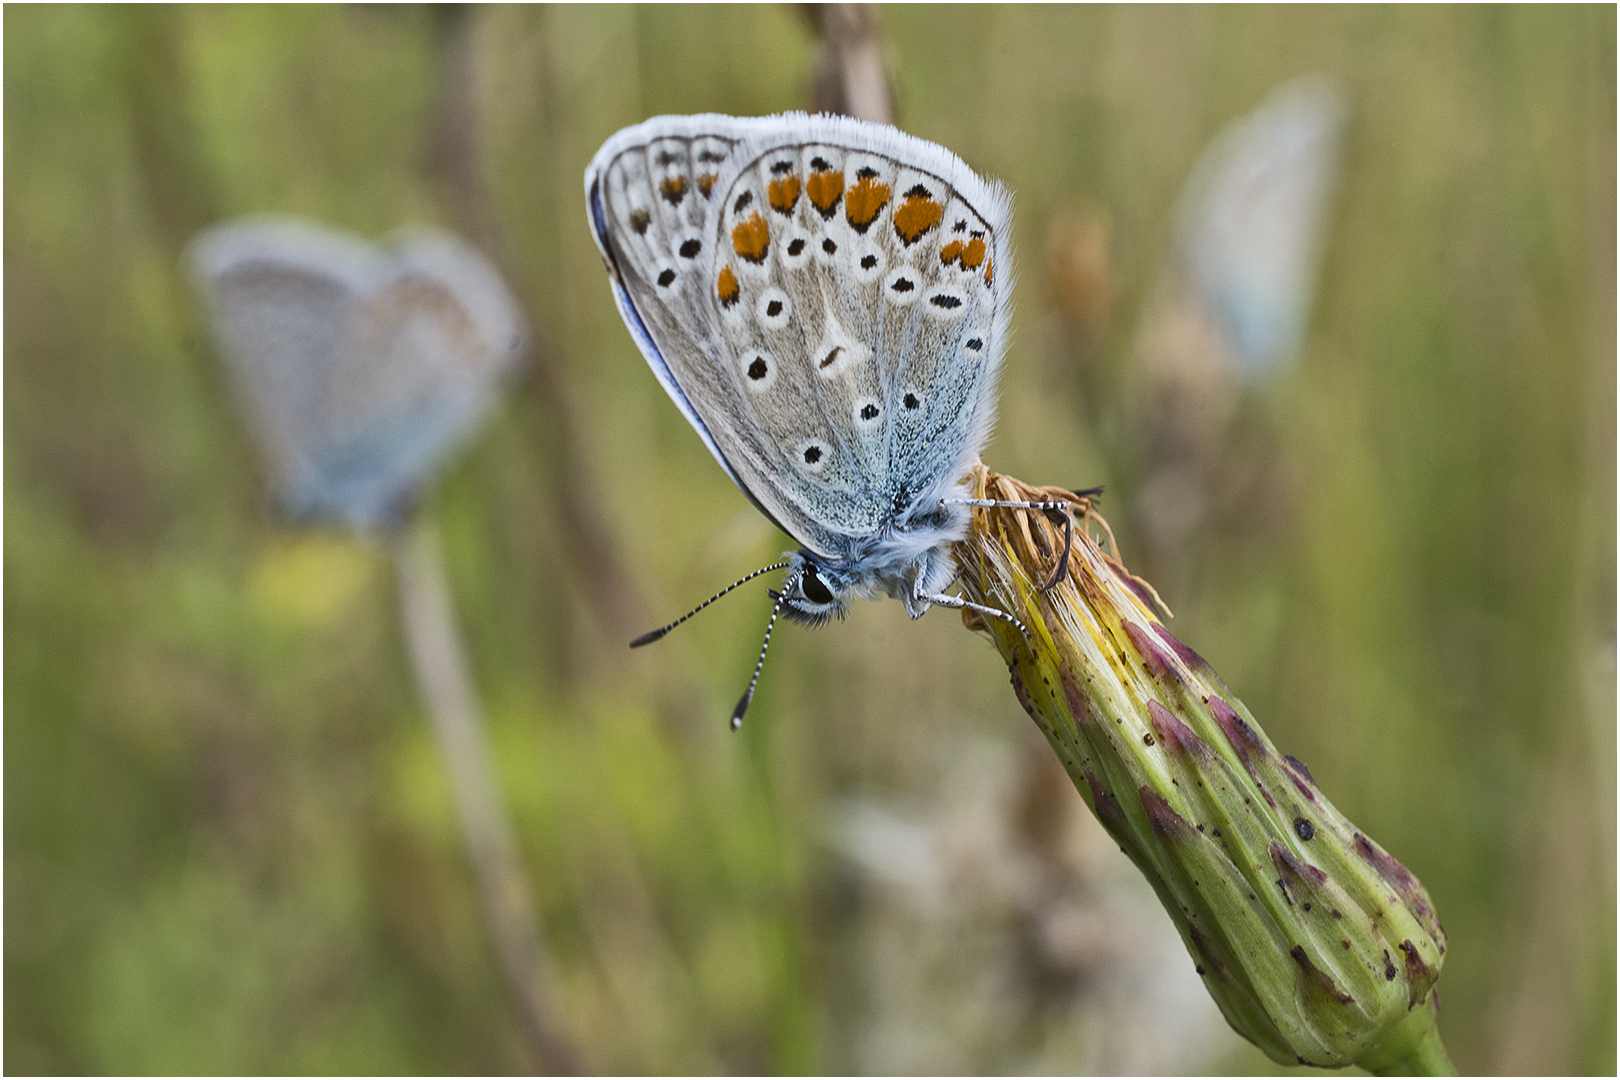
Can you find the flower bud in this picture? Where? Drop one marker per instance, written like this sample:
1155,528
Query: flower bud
1318,946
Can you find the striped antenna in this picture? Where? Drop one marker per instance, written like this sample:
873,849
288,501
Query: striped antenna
649,638
742,706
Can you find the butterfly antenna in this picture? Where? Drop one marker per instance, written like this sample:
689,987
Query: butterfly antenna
649,638
742,706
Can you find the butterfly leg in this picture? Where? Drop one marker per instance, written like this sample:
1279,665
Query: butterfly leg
957,602
1056,513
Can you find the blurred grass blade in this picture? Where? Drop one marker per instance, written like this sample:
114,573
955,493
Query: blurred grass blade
1318,946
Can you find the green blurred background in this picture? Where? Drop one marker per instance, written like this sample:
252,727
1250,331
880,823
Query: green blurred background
228,840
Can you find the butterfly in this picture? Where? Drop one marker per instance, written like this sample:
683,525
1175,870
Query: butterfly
1251,219
361,367
826,302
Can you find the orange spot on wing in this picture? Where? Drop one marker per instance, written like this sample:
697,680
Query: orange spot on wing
706,182
916,216
825,189
990,272
752,238
673,189
973,253
951,252
784,194
863,202
727,287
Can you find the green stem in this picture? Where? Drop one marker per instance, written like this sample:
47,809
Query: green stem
1413,1047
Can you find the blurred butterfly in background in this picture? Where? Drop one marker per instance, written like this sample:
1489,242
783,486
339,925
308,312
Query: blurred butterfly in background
1251,218
361,367
826,302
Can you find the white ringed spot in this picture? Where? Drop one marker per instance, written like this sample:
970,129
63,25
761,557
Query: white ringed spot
902,286
773,310
867,262
758,368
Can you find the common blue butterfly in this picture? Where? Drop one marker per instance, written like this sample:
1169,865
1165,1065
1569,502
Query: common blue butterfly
360,367
826,302
1250,221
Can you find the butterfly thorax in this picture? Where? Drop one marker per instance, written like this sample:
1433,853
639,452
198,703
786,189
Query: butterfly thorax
908,560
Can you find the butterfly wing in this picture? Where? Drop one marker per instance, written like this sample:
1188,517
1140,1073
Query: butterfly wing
823,298
359,367
1252,216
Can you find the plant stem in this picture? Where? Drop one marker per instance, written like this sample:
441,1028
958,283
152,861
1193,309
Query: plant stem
440,663
1413,1048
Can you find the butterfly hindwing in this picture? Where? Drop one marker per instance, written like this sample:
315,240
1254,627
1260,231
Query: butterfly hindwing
822,296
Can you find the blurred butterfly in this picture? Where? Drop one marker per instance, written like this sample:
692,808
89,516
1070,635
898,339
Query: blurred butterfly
826,302
361,367
1251,217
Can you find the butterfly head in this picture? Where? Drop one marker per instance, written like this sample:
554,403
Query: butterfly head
814,591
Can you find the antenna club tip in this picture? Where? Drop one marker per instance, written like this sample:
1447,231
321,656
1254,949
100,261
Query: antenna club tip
736,721
648,638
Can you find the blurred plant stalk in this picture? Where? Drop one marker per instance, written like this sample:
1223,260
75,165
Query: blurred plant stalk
440,664
850,77
1319,947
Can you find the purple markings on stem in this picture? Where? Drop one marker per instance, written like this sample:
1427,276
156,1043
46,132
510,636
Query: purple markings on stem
1188,657
1388,867
1168,825
1296,870
1301,776
1079,707
1317,979
1244,739
1108,809
1400,879
1155,657
1419,975
1176,736
1206,953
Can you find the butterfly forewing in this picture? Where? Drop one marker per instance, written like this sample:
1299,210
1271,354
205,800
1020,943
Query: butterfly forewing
825,300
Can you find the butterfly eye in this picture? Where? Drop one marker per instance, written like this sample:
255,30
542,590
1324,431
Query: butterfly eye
815,590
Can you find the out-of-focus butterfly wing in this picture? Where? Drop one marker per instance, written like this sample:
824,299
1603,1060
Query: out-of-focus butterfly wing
1252,216
360,368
